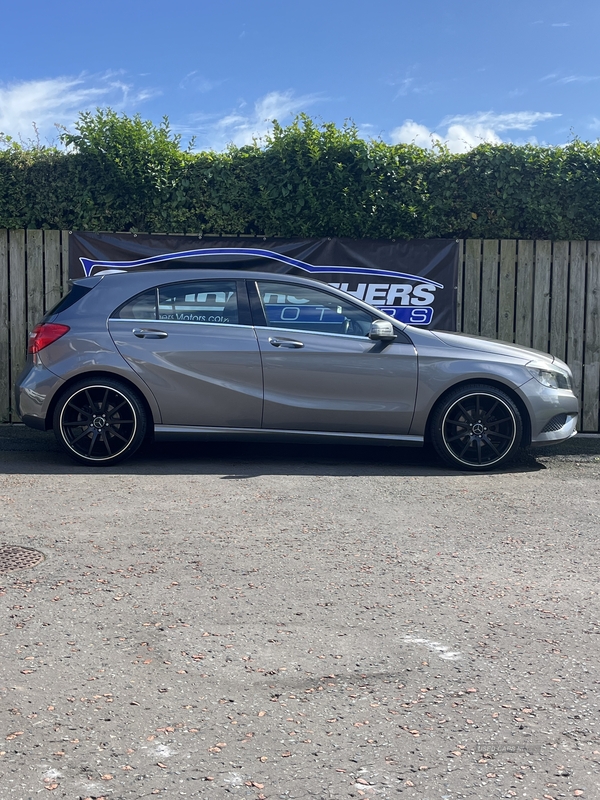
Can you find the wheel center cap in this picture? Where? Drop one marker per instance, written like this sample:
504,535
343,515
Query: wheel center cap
99,422
478,429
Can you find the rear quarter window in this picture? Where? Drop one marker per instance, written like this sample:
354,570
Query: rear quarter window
142,306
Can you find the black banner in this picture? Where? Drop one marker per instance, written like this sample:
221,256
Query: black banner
412,281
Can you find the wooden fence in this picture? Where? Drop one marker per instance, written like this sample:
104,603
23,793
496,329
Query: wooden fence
541,294
33,277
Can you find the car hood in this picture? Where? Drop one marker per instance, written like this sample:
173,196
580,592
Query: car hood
483,345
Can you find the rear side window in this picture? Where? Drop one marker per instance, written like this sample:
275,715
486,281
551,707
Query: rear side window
199,301
142,306
196,301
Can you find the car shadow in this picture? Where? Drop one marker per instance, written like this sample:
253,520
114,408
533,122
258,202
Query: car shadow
24,451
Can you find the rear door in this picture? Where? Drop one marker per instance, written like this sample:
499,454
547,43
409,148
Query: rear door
322,372
193,345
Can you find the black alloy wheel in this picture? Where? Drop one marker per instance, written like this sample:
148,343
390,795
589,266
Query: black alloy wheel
477,427
100,422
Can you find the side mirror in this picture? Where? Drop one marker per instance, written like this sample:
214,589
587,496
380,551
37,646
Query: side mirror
382,331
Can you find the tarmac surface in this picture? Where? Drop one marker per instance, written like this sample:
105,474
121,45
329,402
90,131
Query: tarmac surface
299,621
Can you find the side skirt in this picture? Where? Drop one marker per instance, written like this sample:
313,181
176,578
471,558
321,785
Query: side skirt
175,433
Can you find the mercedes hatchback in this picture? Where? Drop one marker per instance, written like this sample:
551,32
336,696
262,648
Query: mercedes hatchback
209,354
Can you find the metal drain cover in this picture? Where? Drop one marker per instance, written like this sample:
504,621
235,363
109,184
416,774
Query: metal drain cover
14,557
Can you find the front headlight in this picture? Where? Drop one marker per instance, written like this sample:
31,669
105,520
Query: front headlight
552,377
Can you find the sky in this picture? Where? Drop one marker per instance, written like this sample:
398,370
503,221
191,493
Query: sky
460,72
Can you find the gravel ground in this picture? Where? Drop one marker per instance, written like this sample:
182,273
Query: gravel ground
295,622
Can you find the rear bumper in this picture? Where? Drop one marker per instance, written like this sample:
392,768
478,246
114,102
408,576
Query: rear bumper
34,422
34,389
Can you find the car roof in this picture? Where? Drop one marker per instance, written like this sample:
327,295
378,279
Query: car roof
155,277
209,273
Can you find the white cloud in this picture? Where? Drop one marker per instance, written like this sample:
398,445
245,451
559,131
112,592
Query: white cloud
578,79
518,120
199,83
367,130
409,84
43,104
566,79
404,87
410,132
242,126
462,133
458,138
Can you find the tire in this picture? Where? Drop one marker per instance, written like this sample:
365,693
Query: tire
476,427
99,422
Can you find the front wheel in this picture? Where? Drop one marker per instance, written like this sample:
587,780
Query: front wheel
476,427
99,423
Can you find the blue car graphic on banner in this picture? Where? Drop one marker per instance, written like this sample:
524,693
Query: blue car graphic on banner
406,297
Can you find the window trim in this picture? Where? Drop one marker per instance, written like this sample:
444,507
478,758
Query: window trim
259,317
244,304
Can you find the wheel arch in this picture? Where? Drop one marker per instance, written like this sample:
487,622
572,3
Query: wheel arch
93,375
514,396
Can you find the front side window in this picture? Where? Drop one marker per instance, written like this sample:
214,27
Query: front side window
291,305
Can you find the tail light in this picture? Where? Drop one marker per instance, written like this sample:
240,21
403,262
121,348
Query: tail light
43,335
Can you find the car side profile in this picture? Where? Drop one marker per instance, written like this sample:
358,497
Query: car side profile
222,354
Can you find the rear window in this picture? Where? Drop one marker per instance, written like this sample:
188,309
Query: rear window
74,296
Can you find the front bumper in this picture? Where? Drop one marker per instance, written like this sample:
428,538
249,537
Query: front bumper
565,431
553,413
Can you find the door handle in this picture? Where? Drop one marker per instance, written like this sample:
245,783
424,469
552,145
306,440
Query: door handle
290,343
147,333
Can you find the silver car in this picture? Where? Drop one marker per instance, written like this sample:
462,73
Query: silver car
190,353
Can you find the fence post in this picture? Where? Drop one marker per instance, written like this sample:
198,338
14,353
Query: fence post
17,306
591,367
4,330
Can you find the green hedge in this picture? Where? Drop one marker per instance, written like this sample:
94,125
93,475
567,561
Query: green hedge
123,173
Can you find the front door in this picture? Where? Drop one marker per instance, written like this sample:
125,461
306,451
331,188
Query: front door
321,371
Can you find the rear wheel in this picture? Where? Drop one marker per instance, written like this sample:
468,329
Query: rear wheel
100,422
476,427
